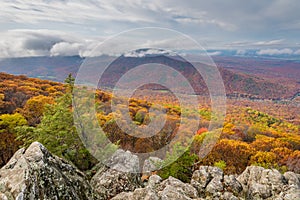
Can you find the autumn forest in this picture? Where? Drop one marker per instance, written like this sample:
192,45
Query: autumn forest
254,132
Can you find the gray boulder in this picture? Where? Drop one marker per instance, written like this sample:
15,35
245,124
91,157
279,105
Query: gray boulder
140,193
208,181
151,164
37,174
255,183
173,188
260,183
293,180
120,174
232,185
211,183
123,161
147,193
169,189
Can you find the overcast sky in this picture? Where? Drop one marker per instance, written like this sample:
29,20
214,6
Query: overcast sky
72,27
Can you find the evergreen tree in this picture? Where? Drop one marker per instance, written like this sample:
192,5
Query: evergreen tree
178,164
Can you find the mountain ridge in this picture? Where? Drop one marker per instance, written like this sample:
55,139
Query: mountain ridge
237,79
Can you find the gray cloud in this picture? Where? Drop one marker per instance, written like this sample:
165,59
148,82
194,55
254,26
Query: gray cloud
268,43
257,44
272,52
66,49
216,24
24,43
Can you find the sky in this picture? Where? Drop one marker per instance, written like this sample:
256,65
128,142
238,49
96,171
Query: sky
74,27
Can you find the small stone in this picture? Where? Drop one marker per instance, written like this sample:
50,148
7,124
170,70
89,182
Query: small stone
154,180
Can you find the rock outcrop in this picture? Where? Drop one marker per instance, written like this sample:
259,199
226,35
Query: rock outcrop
151,164
170,188
260,183
36,174
254,183
120,174
210,182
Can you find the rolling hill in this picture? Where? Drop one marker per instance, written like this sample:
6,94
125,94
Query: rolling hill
255,81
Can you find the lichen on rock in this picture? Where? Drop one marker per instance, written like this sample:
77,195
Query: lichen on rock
37,174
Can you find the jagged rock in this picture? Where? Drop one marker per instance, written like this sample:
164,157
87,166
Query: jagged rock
200,179
293,188
154,180
172,193
211,184
151,164
168,189
110,182
140,193
147,193
292,179
260,183
173,187
124,195
119,176
208,181
37,174
124,161
232,185
215,187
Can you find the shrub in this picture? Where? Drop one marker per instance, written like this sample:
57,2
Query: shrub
182,168
221,164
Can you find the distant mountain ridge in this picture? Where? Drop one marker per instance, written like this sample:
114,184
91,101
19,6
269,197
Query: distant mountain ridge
50,68
238,80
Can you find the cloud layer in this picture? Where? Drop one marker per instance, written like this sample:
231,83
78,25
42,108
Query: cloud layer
275,52
65,27
26,43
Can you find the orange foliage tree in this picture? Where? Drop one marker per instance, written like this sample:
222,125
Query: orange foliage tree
236,155
34,108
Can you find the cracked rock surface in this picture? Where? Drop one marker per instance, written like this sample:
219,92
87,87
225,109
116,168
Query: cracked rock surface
254,183
35,173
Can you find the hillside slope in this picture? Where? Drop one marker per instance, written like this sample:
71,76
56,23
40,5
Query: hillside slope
237,79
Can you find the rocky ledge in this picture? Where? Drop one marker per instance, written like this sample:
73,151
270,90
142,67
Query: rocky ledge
37,174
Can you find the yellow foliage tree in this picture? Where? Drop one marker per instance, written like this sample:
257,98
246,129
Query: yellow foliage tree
34,108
